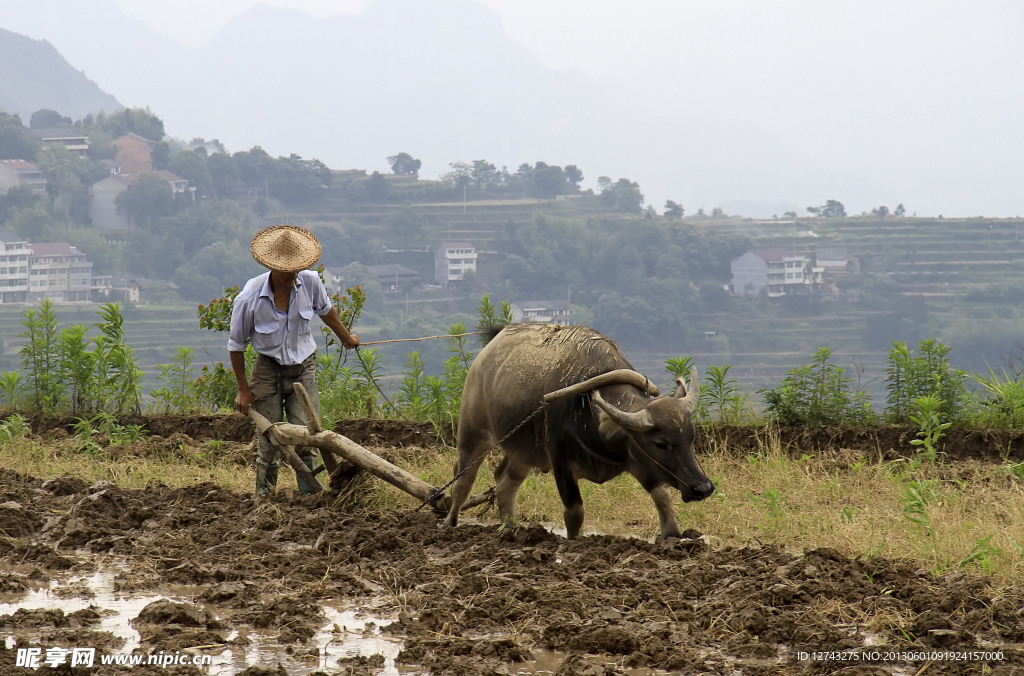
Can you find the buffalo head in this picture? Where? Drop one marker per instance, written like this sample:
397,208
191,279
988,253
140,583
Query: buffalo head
659,437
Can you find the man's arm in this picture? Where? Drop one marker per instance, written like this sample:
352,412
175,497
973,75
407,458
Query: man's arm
244,398
333,321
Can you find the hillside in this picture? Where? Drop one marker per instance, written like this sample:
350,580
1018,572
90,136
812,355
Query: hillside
33,75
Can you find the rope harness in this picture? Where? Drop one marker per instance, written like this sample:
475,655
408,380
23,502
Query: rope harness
438,493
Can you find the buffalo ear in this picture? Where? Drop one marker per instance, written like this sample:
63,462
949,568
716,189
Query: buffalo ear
691,394
640,421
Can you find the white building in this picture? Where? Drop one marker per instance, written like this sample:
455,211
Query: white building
774,272
14,253
452,260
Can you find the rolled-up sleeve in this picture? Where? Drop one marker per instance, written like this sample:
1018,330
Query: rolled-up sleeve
241,323
319,300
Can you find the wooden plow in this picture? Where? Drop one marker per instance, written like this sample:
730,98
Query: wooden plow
331,444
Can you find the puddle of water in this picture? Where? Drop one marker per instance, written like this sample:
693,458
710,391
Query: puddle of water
348,632
122,608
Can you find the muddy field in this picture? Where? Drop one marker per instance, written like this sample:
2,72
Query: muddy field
220,572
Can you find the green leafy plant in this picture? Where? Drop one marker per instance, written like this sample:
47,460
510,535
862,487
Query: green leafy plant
118,379
926,413
1003,405
491,316
412,390
11,387
721,396
14,427
817,394
928,372
40,356
179,391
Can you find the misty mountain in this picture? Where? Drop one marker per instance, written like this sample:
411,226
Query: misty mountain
439,80
33,75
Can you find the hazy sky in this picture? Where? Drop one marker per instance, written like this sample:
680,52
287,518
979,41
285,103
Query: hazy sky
922,95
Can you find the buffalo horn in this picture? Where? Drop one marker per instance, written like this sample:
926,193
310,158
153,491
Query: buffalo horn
635,422
690,394
619,376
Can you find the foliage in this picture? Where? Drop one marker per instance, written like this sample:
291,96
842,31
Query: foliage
1004,404
926,414
11,388
817,394
444,393
721,396
40,356
404,164
493,317
831,209
13,427
928,373
179,393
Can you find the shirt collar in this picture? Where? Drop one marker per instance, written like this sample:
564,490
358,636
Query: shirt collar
265,291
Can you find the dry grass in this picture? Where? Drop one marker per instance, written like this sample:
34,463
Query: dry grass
41,458
969,515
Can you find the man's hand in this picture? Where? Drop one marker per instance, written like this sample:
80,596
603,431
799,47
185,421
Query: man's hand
243,400
352,342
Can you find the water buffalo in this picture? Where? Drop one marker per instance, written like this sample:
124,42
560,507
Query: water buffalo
600,421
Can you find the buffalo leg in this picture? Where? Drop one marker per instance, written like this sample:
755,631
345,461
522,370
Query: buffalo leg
572,501
471,452
665,503
508,477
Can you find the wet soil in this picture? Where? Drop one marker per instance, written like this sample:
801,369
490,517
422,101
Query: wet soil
478,599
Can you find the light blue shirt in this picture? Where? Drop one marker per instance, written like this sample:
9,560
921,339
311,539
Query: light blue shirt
287,337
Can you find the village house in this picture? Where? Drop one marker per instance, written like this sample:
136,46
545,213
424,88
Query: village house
21,174
14,252
58,271
773,272
103,194
545,311
68,138
395,277
134,154
452,260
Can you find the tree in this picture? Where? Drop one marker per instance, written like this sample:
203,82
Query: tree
624,195
899,211
44,118
547,182
573,175
460,174
146,200
483,173
193,166
673,210
831,209
880,212
404,164
223,173
16,143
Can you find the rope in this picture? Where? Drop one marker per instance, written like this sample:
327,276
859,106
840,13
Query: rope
411,340
433,496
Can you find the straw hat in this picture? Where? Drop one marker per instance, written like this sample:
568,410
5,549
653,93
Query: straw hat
285,248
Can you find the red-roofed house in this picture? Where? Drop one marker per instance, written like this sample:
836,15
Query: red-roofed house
19,173
134,154
58,271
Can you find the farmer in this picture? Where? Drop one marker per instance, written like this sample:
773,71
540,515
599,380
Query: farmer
274,312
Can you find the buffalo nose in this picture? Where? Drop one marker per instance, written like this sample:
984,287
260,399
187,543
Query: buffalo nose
704,490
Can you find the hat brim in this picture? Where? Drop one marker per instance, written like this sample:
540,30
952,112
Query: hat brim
285,248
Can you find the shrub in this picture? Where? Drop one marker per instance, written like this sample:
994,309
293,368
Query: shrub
817,394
